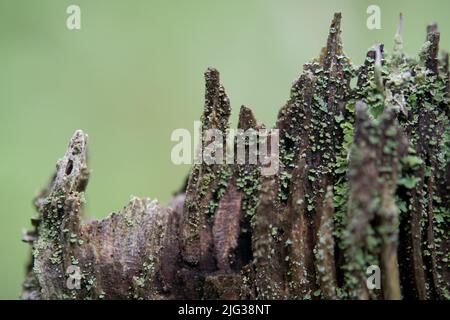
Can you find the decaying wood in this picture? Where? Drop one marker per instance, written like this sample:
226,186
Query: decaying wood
364,181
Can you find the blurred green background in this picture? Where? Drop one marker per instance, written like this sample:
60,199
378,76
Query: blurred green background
134,73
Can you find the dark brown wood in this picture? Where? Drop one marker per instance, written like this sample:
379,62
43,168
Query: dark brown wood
363,181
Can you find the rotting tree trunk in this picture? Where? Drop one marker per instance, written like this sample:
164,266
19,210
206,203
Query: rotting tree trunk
364,180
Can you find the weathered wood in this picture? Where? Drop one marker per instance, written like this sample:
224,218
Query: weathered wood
364,180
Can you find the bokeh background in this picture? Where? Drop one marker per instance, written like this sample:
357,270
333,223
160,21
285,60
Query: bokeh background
134,73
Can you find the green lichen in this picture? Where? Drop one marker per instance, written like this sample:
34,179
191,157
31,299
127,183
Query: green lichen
248,182
223,178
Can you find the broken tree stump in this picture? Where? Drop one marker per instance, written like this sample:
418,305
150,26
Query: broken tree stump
363,181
